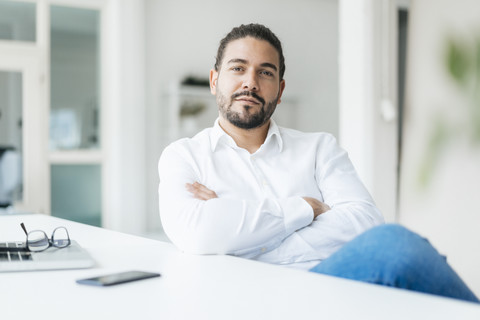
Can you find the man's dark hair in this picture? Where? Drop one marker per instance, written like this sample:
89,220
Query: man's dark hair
256,31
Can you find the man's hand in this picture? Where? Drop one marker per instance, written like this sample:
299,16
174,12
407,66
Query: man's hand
199,191
318,206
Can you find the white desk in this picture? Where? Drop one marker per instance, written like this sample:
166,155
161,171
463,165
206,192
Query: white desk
197,287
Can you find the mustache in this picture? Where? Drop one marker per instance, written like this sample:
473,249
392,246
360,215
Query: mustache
248,94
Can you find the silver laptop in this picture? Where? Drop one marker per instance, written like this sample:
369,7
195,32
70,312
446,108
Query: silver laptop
71,257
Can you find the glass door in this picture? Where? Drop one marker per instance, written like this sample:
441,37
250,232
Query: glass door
51,158
11,146
23,163
75,114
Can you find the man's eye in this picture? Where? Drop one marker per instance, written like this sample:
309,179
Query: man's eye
267,73
236,69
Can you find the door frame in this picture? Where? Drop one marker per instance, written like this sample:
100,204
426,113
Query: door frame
25,58
368,97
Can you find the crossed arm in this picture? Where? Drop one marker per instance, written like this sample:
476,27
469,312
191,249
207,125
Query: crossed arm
198,220
200,192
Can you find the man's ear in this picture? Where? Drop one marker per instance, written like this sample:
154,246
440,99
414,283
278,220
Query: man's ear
282,87
213,81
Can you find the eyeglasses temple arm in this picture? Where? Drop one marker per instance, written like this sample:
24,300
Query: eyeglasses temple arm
24,229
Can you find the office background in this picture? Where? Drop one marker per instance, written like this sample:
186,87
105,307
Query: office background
92,92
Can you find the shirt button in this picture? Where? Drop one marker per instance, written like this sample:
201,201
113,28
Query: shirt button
265,183
264,249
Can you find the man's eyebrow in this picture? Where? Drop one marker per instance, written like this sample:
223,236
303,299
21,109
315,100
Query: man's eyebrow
237,60
265,64
269,65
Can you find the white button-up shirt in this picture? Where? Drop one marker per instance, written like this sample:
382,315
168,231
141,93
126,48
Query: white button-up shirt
260,213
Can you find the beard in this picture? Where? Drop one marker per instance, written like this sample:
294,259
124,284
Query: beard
246,118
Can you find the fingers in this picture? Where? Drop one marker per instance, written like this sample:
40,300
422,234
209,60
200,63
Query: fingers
199,191
318,206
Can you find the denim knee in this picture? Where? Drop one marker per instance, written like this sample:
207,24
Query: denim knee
391,231
384,250
405,244
392,255
403,252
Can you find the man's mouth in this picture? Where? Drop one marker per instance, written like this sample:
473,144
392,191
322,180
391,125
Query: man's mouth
248,100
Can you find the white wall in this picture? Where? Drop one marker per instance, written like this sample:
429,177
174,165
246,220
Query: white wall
182,39
124,117
446,210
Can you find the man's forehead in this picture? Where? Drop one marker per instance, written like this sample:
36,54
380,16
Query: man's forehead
251,50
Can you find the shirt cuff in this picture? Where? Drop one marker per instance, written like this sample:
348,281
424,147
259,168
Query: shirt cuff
297,213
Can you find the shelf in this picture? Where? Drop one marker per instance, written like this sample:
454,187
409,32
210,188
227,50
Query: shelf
76,157
195,91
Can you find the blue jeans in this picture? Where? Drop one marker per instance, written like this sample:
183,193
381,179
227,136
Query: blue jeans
393,256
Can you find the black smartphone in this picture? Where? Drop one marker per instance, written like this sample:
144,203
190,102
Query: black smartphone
117,278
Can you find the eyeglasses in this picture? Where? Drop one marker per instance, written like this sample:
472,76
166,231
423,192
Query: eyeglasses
37,240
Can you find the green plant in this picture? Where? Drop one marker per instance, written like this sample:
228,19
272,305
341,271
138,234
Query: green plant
462,65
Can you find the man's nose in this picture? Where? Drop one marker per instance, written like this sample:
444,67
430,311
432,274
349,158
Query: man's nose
250,81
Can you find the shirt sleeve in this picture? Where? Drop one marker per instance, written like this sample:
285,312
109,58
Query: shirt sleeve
340,184
222,225
353,210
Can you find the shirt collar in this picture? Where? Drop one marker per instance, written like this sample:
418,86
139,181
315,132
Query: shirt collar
217,134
